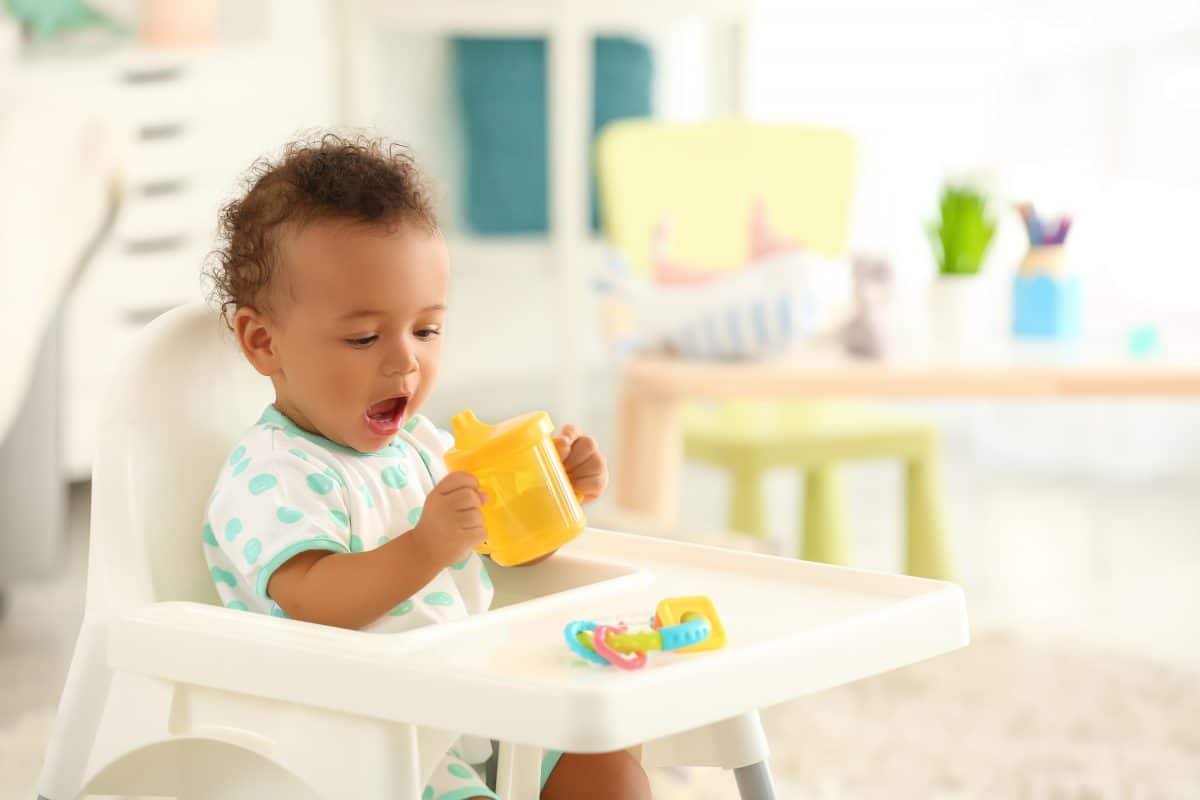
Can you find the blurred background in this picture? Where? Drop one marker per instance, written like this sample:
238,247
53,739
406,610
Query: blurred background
965,190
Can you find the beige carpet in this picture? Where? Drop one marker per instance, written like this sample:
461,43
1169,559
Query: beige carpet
1012,716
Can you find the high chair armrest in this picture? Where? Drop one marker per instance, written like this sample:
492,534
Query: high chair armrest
259,655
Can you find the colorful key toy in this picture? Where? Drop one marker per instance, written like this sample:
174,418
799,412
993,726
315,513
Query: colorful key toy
682,624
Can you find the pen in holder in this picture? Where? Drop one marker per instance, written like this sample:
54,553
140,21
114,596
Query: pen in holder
1047,301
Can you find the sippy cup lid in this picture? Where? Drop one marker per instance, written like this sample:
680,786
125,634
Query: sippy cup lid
476,442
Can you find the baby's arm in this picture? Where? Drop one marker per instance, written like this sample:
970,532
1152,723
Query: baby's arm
352,590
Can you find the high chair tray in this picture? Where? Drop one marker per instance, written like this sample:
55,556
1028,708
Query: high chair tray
793,627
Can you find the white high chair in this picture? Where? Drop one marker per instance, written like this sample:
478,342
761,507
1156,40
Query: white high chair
171,694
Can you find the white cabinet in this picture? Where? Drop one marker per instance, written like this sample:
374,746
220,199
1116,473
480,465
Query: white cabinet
191,124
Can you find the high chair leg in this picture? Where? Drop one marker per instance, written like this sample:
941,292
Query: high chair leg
80,709
754,782
519,772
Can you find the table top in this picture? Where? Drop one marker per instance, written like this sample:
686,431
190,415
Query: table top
1097,367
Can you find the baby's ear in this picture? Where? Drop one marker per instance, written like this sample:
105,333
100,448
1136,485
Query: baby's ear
256,338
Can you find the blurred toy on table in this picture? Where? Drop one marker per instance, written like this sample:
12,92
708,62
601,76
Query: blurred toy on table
865,334
782,294
1047,301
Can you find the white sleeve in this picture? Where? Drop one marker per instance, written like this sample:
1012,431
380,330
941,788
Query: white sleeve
281,505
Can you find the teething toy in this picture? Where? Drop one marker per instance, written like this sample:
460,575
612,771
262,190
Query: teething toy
682,624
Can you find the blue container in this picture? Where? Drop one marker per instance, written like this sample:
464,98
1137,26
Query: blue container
1046,308
501,87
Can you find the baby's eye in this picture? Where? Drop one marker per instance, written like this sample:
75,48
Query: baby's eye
364,341
428,333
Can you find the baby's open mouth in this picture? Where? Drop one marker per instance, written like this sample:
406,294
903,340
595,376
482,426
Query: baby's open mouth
384,417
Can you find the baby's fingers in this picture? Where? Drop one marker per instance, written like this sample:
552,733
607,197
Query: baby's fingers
457,481
583,450
565,441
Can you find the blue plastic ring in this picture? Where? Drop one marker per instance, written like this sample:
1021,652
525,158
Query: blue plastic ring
572,631
685,634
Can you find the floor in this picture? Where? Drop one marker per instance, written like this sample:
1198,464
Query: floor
1115,562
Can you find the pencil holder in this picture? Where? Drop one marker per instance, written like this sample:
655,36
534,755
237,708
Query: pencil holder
1047,302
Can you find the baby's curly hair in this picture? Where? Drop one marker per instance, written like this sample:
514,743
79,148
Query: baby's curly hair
358,179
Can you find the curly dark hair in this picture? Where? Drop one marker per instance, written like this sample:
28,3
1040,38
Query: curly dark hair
359,179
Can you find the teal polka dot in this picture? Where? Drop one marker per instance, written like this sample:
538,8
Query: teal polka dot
427,794
460,565
438,599
276,611
356,544
270,426
221,576
209,538
333,476
240,468
402,609
412,423
484,578
458,771
425,458
383,540
394,477
288,515
296,451
320,483
237,454
400,446
252,550
415,515
263,482
236,605
367,494
340,518
232,529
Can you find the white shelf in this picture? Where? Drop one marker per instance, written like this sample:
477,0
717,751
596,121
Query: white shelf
514,17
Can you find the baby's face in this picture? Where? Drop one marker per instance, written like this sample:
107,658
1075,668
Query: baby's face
358,333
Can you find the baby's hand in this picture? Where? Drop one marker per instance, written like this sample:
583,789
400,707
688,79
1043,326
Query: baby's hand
451,524
585,465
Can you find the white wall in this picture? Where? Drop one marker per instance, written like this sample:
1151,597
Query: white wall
1082,106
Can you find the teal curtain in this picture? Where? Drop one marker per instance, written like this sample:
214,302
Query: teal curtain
501,88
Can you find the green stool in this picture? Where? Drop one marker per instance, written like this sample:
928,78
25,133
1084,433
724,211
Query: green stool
749,438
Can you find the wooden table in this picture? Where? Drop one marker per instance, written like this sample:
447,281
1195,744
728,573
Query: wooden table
650,445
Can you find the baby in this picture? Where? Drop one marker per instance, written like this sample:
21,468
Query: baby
335,507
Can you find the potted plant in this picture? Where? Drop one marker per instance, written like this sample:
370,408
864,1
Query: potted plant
960,238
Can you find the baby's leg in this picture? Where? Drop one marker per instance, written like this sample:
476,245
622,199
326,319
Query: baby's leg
600,776
453,777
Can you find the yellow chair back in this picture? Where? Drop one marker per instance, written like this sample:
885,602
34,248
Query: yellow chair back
706,178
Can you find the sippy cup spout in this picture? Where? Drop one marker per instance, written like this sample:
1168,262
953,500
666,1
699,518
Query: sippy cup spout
469,432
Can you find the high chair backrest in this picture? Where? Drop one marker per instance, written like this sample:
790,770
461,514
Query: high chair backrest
181,398
706,178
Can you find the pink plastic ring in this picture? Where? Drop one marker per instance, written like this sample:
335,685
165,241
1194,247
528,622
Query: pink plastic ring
619,660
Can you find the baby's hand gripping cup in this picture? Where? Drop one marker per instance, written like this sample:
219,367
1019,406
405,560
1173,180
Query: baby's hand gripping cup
532,509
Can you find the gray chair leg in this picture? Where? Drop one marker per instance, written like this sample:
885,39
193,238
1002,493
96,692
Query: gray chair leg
754,782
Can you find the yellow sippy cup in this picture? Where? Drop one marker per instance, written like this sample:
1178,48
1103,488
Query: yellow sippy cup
532,509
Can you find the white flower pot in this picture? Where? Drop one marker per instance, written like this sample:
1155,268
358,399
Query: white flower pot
961,310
